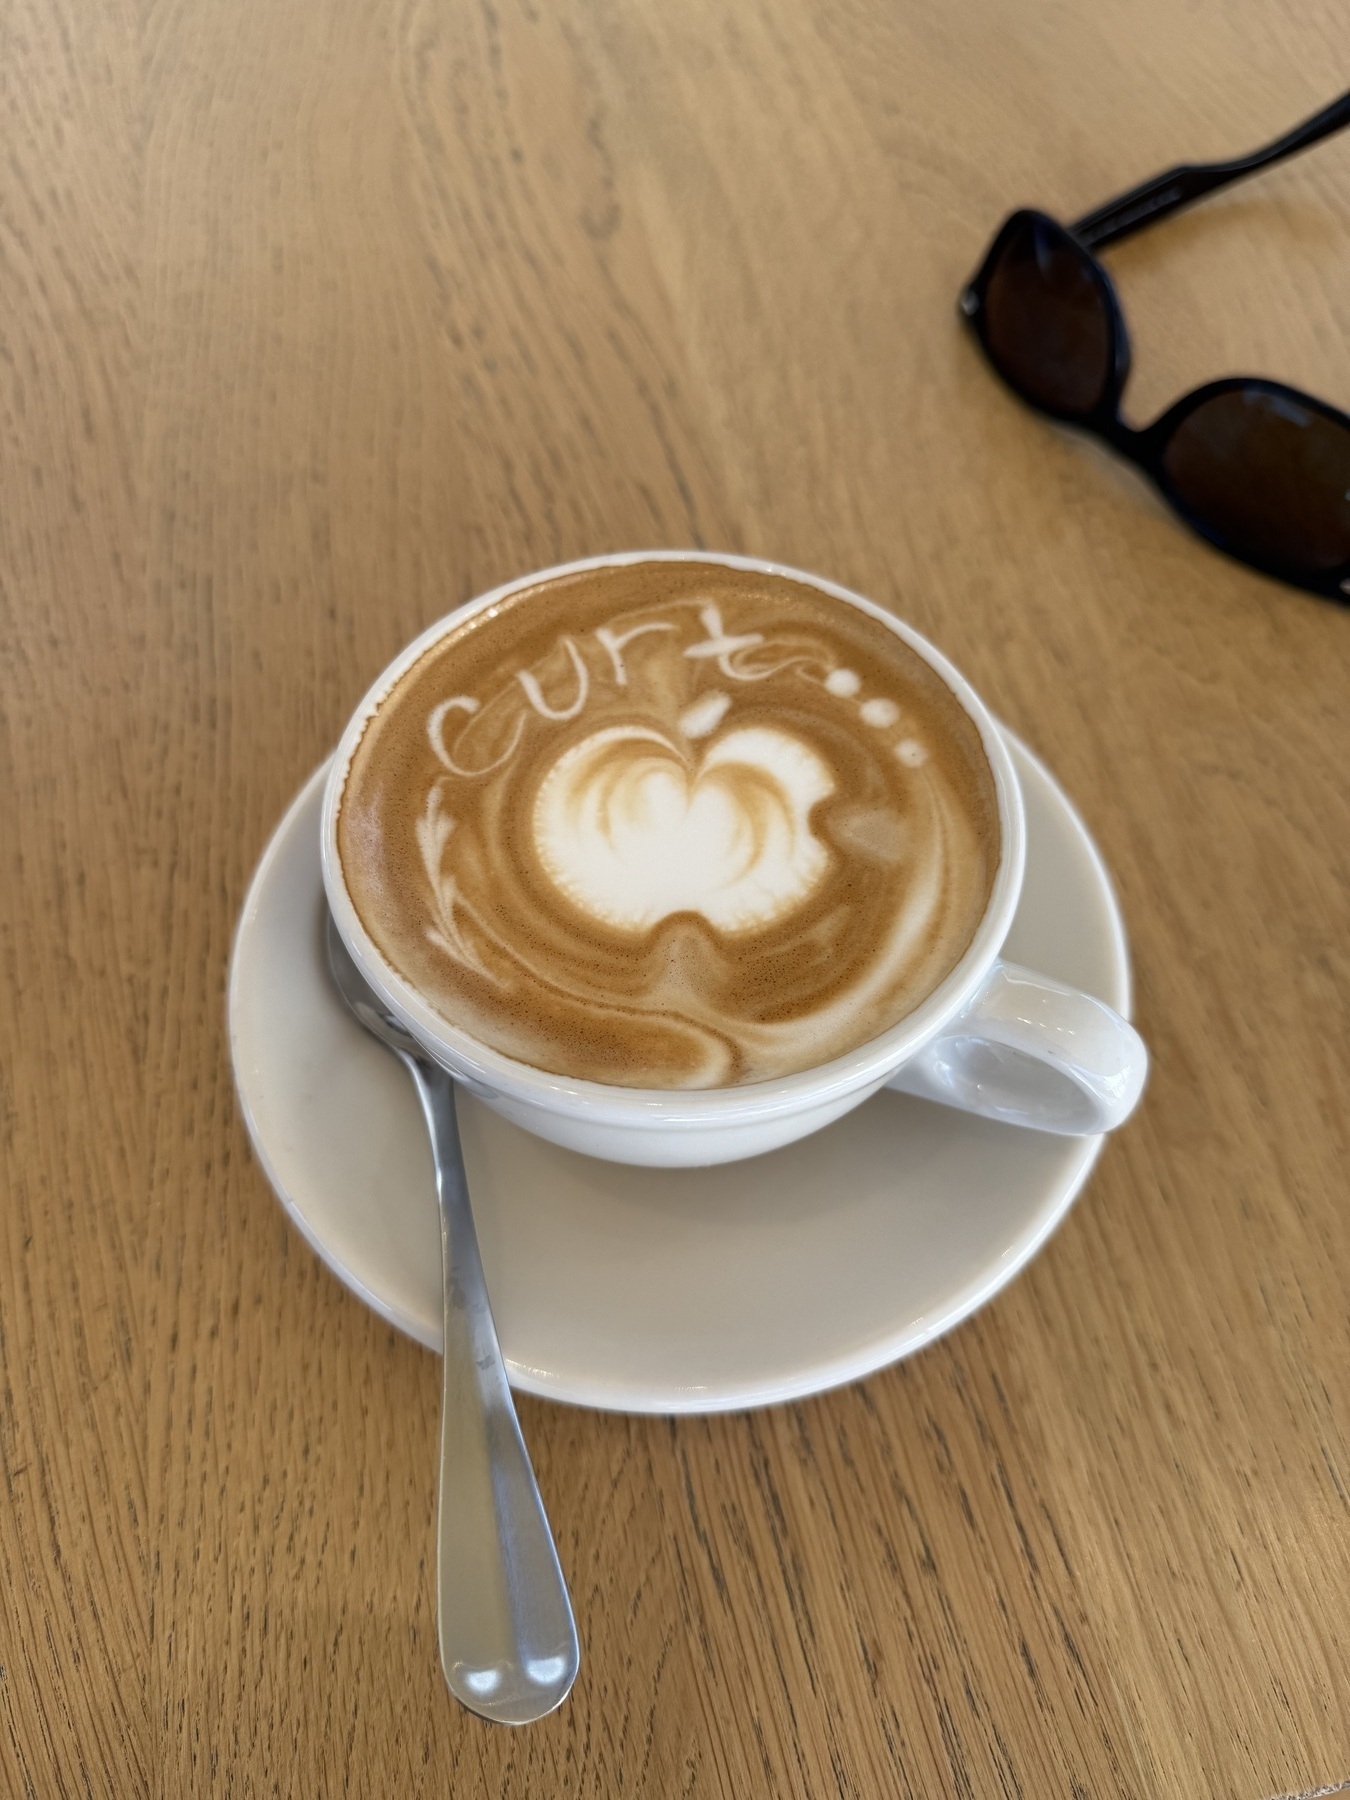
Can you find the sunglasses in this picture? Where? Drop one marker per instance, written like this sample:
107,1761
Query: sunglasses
1259,469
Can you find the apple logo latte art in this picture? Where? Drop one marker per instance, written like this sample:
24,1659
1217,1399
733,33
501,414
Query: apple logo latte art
670,824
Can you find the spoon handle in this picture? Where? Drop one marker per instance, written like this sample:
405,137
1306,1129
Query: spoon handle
507,1636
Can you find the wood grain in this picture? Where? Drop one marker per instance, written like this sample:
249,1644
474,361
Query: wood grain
316,319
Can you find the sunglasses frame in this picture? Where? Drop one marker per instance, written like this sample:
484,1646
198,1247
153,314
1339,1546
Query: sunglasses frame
1145,447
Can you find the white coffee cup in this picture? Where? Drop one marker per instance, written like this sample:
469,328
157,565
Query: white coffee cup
992,1038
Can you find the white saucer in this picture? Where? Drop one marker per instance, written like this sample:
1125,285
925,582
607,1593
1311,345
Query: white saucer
648,1290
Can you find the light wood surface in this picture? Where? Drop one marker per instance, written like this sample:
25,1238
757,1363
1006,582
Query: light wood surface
318,317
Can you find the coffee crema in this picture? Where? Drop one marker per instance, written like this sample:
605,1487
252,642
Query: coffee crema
670,825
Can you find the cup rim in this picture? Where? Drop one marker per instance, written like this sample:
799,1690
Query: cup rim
492,1073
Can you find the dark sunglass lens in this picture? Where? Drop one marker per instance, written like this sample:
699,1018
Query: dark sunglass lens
1267,476
1047,323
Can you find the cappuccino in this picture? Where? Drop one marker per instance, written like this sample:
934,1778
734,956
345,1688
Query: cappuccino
670,825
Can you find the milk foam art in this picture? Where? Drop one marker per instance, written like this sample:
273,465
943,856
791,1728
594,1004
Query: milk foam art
672,825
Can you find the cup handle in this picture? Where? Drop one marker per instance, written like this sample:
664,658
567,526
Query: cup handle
1030,1051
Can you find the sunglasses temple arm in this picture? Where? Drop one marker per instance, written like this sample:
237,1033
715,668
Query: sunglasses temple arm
1169,192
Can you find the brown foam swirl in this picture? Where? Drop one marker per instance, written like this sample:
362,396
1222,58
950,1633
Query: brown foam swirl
670,825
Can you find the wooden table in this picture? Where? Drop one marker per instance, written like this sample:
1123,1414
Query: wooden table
316,318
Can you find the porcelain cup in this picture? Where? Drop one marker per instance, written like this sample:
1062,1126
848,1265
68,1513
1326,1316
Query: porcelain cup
993,1038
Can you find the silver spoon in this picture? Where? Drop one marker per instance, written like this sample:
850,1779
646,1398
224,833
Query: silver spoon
508,1639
